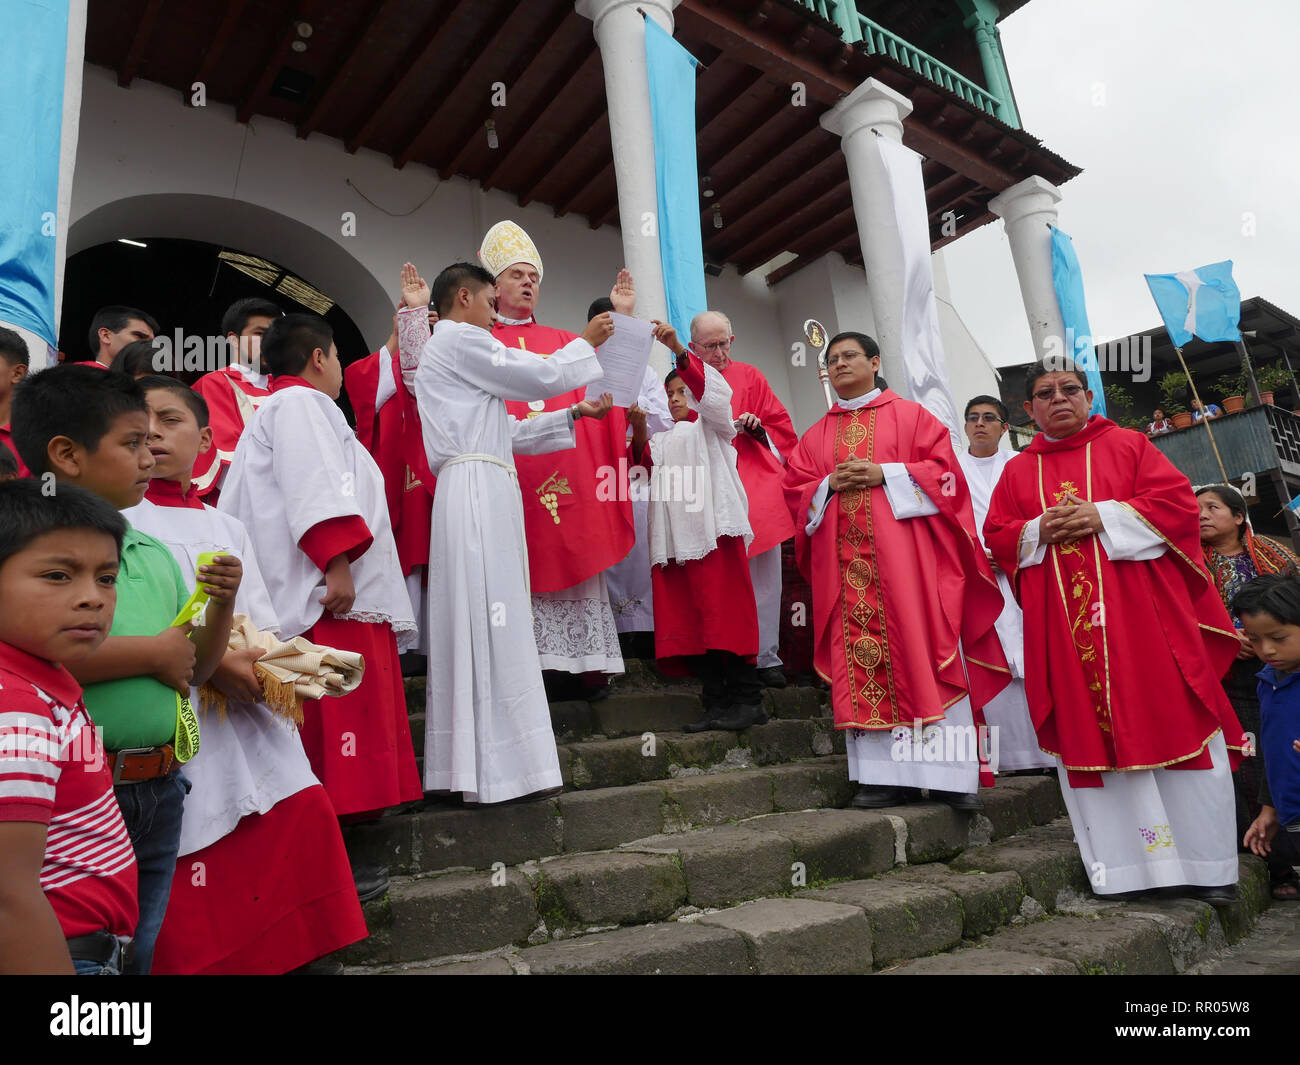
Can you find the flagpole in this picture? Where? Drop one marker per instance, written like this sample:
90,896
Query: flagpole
1205,414
1275,474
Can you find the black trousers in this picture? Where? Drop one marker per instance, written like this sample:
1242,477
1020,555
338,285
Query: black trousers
729,680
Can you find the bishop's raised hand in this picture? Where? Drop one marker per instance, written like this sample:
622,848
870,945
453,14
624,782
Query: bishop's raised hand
623,294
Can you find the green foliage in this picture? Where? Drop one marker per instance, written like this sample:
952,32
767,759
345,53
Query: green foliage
1273,377
1119,396
1173,387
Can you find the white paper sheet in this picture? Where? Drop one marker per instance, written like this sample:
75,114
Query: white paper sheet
623,357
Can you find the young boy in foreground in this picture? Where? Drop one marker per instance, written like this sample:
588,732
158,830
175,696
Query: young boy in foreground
1269,609
68,891
277,889
89,428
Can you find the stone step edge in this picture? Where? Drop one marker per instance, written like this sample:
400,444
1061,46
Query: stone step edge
1174,927
1018,804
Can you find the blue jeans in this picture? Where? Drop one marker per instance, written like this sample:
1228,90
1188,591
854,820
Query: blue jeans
152,812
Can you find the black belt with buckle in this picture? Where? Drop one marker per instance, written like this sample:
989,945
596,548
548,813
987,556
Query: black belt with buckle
103,948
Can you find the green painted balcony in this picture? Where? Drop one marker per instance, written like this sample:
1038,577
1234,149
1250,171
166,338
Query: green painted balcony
856,28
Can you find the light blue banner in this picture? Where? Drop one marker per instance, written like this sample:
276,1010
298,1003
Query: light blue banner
672,111
1203,302
33,54
1067,279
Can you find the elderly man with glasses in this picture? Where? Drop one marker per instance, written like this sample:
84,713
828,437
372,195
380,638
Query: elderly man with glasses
1125,641
763,444
1013,745
904,599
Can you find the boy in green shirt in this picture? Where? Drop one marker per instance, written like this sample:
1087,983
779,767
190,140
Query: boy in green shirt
89,428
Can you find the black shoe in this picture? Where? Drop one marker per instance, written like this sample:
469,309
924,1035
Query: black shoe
958,800
1216,896
326,966
772,677
371,881
709,720
742,716
869,798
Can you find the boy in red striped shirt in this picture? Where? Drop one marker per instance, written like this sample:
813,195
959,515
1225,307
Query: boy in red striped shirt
68,895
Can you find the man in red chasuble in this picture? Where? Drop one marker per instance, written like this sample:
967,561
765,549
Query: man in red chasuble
904,599
1125,639
573,535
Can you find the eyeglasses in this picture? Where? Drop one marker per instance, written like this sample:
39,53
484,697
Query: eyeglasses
988,417
716,345
1044,395
843,356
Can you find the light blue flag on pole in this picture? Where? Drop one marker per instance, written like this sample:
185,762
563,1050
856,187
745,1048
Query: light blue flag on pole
672,111
1067,279
1203,302
33,54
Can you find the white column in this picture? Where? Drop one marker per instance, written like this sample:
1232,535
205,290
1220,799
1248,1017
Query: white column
869,110
620,34
1027,208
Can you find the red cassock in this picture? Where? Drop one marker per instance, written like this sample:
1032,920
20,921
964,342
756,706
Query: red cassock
892,598
585,533
392,436
1134,648
231,400
760,471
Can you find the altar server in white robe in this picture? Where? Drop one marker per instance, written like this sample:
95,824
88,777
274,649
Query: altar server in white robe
487,723
1013,744
313,501
276,889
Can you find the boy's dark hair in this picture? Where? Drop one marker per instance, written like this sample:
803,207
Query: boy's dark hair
452,280
671,374
26,512
288,344
239,312
1052,364
1232,499
73,400
1274,593
13,348
197,404
114,318
988,401
136,358
599,306
8,464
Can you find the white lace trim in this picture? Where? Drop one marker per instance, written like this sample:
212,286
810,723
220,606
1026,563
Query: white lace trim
577,630
405,632
739,531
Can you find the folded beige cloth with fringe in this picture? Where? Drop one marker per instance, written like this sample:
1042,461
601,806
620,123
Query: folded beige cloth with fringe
289,671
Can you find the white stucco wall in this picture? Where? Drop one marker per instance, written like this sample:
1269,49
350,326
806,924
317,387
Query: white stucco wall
147,166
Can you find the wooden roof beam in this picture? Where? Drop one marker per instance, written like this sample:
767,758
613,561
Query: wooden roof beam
546,105
577,138
212,56
759,221
362,50
604,175
304,10
518,76
487,49
139,43
434,49
761,130
807,219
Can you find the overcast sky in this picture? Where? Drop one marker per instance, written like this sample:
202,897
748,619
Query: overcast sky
1198,124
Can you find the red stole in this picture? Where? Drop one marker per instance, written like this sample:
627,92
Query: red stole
892,598
588,531
393,437
760,471
1134,649
231,400
170,494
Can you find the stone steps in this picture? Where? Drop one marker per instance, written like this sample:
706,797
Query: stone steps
911,920
831,857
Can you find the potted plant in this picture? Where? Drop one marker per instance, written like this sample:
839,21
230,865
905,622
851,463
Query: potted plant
1173,386
1119,397
1234,389
1272,378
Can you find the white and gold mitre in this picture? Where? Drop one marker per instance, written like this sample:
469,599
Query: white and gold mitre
506,244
